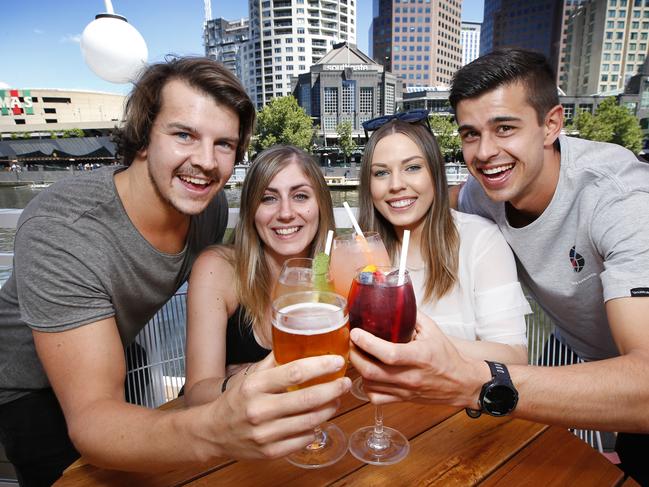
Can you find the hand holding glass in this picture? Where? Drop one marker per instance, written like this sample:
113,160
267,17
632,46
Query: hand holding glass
308,324
382,305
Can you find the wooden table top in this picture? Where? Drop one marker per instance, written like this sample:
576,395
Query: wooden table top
447,448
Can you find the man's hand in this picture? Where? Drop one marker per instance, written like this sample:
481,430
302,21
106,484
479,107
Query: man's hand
257,418
428,369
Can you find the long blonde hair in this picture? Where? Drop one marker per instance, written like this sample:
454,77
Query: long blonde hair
440,240
252,273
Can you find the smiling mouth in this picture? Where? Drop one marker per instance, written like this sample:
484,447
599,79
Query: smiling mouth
195,182
404,203
496,172
286,231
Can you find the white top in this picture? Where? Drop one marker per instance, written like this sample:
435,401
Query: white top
487,302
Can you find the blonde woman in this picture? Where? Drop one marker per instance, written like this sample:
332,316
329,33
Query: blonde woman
286,212
462,270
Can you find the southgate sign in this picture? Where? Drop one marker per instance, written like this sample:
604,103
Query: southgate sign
340,67
10,102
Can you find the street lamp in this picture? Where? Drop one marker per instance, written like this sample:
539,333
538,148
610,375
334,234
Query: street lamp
112,48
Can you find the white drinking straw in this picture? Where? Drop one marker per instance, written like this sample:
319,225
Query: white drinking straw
330,239
353,219
404,257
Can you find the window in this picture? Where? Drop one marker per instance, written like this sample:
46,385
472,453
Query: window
366,100
331,99
349,96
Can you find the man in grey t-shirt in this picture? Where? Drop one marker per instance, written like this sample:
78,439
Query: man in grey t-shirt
575,214
96,256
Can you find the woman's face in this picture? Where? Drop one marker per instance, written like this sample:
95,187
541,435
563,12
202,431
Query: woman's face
400,182
287,217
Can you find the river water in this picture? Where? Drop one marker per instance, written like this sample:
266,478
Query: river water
19,196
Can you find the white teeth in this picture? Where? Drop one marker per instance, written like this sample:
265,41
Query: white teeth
401,203
194,180
286,231
496,170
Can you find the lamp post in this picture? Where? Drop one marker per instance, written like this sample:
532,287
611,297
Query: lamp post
112,48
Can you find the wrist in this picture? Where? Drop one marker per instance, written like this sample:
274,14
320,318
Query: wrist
481,375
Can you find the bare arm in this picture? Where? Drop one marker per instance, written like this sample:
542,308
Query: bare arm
211,300
256,419
609,394
498,352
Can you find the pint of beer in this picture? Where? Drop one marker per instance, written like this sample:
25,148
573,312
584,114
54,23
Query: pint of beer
310,323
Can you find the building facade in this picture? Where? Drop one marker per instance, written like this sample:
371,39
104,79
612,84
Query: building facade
528,24
346,86
418,41
470,41
223,40
42,110
287,37
608,43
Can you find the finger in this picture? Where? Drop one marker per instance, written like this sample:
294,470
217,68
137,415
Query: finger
267,363
270,407
387,352
292,374
288,427
378,398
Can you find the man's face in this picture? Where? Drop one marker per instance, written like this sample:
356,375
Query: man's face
192,148
503,144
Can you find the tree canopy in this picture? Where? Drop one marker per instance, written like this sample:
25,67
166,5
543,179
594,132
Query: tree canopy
445,130
610,123
345,139
283,121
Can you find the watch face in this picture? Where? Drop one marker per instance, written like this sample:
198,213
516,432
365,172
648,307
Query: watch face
499,400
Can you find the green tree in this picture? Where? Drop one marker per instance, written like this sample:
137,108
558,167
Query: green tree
445,130
345,139
283,121
610,123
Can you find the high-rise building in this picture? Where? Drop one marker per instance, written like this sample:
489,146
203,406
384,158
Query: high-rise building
607,45
287,37
470,41
567,38
528,24
418,41
223,40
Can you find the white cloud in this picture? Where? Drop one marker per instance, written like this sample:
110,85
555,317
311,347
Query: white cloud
4,86
39,31
71,38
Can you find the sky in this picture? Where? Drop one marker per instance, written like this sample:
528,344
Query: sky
39,39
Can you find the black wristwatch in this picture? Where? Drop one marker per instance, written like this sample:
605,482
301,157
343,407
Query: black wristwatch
498,397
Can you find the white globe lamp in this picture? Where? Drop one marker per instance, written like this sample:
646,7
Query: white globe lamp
112,48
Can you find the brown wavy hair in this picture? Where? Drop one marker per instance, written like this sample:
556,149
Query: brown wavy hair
253,277
145,100
440,241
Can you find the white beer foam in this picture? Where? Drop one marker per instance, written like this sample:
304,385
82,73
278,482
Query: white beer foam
310,318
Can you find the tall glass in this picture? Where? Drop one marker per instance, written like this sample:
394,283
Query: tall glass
297,275
385,307
308,324
349,253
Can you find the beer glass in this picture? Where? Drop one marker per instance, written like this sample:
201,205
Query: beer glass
384,305
308,324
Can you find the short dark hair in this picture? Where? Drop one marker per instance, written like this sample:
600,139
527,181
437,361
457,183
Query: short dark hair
145,100
508,66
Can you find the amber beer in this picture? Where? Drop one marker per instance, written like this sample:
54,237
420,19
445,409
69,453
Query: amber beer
309,324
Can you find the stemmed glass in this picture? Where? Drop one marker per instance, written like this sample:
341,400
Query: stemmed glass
308,324
384,305
297,275
350,252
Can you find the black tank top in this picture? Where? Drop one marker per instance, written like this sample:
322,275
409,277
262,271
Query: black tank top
241,346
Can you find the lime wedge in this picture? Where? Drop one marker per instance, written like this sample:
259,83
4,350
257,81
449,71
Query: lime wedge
320,269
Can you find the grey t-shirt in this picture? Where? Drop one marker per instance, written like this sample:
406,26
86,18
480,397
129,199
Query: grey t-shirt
590,245
79,259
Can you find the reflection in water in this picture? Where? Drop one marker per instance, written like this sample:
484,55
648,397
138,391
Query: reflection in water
18,197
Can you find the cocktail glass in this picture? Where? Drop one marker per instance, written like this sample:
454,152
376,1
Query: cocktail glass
308,324
349,253
382,305
297,275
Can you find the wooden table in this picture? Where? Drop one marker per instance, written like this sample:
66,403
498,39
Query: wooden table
447,448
